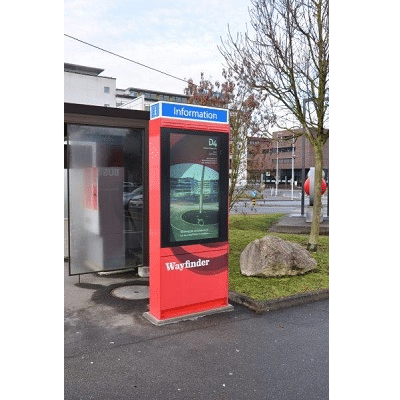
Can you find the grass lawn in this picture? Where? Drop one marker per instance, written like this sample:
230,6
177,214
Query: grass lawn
244,229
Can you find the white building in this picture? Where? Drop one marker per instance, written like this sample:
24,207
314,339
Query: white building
140,99
83,85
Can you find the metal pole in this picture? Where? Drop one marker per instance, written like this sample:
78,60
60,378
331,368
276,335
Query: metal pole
303,171
277,168
327,184
292,167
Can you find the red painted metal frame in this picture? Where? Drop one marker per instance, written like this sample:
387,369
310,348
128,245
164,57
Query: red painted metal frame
176,293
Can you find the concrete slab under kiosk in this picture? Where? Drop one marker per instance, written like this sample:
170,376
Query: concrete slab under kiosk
186,317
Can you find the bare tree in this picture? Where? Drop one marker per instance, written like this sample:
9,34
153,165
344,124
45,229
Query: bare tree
241,106
258,149
286,60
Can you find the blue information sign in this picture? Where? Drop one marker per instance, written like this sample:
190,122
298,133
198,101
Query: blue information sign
188,112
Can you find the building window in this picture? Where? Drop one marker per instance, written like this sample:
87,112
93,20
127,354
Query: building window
106,89
284,149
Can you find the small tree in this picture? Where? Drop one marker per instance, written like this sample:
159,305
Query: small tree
241,106
259,149
286,61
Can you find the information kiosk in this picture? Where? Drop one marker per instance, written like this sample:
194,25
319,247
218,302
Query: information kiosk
188,211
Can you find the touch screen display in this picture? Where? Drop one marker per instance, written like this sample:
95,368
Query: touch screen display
194,187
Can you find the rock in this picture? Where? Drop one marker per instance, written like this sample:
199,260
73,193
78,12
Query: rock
272,256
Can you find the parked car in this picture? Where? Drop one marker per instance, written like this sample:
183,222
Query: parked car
130,186
133,198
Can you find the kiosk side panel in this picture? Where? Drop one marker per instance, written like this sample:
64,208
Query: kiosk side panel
154,216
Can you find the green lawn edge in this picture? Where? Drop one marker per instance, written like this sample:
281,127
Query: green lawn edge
243,229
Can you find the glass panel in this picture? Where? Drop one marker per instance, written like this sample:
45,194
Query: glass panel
105,198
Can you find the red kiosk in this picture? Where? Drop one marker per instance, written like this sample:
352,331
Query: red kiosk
188,211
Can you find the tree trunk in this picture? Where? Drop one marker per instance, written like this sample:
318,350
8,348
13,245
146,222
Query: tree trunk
317,207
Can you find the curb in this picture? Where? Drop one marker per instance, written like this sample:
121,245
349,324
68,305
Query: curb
271,305
297,225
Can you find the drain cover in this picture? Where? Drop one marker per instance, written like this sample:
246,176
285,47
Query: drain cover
132,292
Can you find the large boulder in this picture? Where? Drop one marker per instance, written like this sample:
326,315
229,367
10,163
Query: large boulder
272,256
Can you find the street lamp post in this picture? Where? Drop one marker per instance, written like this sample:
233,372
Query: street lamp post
327,182
277,167
303,169
292,166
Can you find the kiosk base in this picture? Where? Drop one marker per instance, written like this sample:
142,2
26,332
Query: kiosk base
194,315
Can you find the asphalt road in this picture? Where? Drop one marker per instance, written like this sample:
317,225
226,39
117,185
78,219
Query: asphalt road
112,352
282,203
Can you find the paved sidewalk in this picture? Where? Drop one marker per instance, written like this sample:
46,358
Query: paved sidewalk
112,352
298,224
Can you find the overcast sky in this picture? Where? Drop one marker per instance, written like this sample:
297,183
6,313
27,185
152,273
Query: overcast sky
179,37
